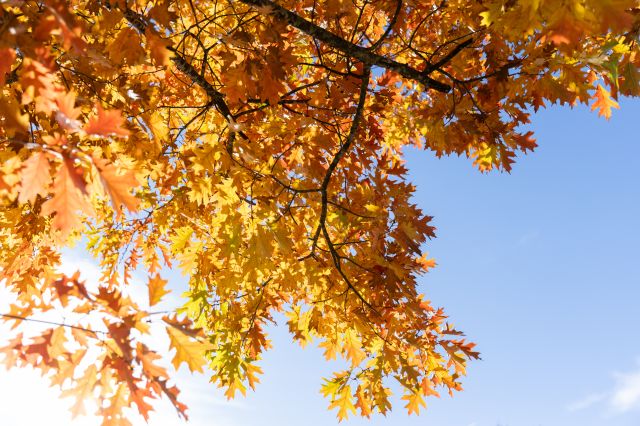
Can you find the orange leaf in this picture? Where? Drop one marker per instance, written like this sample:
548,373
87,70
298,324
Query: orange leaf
414,402
7,57
67,115
156,289
106,123
603,102
56,343
147,358
83,390
118,185
35,177
68,199
158,49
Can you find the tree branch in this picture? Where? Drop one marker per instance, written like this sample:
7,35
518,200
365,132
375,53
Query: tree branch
75,327
363,54
216,97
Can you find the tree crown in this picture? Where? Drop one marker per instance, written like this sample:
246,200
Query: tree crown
258,145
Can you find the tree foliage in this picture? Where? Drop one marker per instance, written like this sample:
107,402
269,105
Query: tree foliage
259,145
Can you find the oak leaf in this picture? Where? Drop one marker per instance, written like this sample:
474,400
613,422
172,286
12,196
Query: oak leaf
188,350
157,289
82,390
67,115
35,177
603,102
106,123
67,199
118,184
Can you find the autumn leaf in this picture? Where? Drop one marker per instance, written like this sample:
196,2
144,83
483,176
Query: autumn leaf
414,402
343,401
106,123
67,199
156,289
67,115
258,147
603,102
126,47
56,343
35,177
12,118
158,49
352,347
118,184
7,57
188,350
83,390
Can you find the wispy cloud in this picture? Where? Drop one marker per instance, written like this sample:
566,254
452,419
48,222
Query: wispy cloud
623,397
587,401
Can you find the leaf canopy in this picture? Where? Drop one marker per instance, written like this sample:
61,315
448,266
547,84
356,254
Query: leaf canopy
258,145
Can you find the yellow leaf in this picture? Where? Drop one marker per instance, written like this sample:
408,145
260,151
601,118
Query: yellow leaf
414,402
343,402
189,351
353,347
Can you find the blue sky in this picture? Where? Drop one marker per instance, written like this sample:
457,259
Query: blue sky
540,267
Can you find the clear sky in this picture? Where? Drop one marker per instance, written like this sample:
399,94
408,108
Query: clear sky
540,267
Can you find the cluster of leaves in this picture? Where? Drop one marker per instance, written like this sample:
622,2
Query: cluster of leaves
258,144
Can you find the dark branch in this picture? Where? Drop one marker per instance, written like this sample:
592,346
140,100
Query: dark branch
392,23
216,97
361,53
449,56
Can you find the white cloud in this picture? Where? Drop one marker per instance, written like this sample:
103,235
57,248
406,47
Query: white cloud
626,394
623,397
